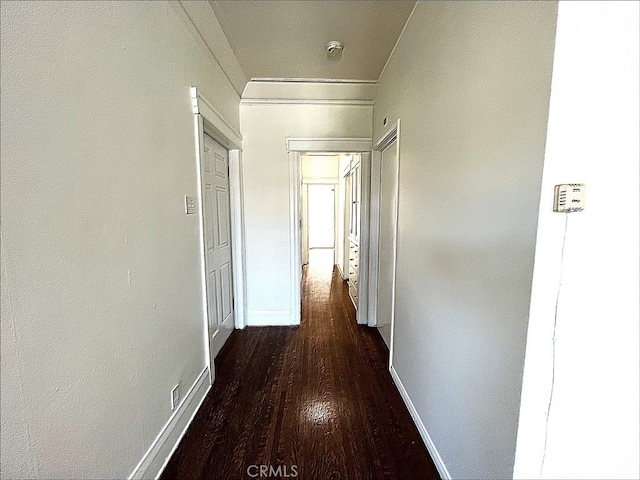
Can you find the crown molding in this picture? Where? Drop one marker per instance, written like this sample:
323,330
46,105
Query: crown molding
312,91
294,101
315,80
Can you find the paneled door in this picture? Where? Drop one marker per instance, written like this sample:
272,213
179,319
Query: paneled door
217,232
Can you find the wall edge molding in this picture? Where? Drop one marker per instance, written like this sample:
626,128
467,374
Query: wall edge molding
180,7
201,106
157,456
293,101
426,438
338,145
345,81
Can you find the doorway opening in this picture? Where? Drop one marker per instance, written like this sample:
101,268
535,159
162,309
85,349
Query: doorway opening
321,216
342,164
330,214
318,209
320,223
219,163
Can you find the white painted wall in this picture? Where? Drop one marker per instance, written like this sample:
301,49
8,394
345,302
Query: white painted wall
101,296
265,128
592,138
470,82
291,91
319,167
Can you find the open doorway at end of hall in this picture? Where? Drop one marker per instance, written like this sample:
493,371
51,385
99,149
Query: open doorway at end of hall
330,214
320,231
318,209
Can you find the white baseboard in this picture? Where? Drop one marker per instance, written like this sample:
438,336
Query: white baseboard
437,459
269,318
160,451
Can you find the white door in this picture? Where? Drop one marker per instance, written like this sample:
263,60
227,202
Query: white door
387,241
304,224
356,186
321,216
347,225
217,221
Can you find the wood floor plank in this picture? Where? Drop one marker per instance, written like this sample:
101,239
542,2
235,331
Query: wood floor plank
318,396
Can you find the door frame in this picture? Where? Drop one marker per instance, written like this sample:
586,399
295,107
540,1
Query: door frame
208,119
393,134
296,147
345,183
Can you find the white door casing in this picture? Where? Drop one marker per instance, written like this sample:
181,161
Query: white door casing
218,260
357,218
208,119
296,146
304,223
346,224
384,227
386,243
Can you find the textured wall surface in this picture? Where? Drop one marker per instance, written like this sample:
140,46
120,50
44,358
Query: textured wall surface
470,82
101,295
266,186
593,424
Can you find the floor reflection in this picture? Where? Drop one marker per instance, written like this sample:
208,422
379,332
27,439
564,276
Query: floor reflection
318,411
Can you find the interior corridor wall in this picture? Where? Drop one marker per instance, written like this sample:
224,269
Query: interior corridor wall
265,128
102,310
593,427
320,167
470,82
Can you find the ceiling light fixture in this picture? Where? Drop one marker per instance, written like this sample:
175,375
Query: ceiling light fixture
334,50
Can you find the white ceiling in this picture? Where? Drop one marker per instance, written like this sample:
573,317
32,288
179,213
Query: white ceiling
287,39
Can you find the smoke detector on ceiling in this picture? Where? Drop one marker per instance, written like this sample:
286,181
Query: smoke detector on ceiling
334,50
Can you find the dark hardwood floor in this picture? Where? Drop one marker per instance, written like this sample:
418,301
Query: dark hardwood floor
314,402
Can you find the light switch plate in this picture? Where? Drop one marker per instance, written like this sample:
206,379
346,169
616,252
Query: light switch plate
190,205
569,197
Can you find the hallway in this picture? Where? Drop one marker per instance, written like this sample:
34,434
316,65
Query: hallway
315,400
